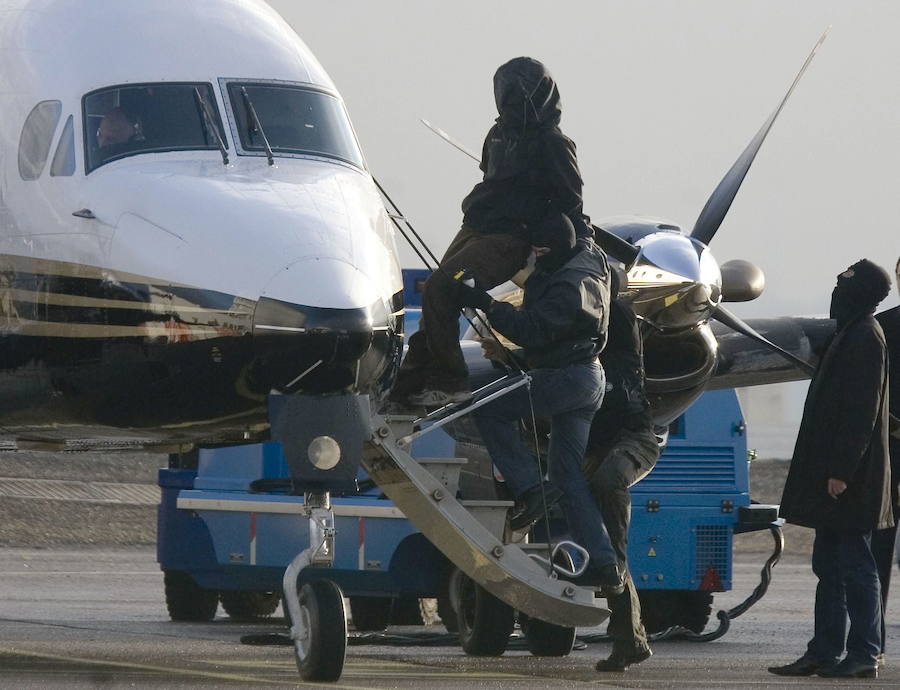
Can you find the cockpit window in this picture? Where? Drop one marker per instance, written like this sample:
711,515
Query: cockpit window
148,118
64,159
293,120
36,138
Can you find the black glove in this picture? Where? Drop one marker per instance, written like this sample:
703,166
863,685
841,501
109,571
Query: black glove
474,297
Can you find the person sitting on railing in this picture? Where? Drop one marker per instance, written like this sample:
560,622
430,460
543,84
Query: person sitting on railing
530,169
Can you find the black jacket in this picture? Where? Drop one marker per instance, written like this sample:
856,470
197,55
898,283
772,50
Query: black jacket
843,435
530,168
564,314
625,404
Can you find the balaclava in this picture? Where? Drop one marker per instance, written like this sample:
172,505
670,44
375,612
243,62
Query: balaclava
557,233
858,291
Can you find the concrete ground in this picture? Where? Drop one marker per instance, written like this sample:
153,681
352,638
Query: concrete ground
90,617
82,606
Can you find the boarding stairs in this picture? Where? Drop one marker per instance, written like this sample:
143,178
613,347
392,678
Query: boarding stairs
471,533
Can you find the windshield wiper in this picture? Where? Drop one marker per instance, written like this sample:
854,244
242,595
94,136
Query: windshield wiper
251,111
210,123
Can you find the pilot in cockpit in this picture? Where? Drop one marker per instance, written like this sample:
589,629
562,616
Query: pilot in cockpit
117,130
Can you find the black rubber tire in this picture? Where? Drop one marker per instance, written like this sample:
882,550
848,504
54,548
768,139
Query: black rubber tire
662,609
370,613
546,639
320,657
186,600
447,614
244,605
485,623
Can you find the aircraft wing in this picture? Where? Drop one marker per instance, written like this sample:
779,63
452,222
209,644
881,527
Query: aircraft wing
743,361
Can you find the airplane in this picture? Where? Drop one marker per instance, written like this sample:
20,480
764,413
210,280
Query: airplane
154,289
190,238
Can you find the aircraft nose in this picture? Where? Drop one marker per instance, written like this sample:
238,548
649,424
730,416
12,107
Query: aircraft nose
321,349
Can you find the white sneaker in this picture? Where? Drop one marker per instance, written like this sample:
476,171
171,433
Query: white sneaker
438,398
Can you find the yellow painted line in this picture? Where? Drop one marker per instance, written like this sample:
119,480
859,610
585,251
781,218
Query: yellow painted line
174,671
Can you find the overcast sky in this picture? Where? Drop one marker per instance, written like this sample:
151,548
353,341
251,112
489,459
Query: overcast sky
660,97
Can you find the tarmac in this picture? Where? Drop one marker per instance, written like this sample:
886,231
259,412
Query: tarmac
82,617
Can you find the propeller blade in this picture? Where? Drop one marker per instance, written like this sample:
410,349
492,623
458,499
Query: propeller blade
719,202
616,247
724,316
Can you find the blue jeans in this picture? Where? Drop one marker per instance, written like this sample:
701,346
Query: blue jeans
569,396
848,586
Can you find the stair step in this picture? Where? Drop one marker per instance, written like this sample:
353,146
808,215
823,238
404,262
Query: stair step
438,461
504,570
491,514
445,470
534,547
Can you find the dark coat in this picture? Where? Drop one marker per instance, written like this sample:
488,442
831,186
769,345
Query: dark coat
890,323
530,167
844,435
564,314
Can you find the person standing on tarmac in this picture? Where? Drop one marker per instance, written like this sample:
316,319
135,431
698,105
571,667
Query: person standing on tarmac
883,540
839,482
530,172
561,328
622,449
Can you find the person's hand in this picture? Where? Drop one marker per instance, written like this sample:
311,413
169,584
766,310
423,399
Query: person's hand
474,297
836,487
494,351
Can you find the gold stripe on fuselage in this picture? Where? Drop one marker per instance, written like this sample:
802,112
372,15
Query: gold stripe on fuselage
163,307
171,330
67,269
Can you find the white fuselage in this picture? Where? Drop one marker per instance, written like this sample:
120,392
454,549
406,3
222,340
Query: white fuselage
181,216
167,220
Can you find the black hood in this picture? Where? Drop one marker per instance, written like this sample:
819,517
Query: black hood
555,232
526,96
858,292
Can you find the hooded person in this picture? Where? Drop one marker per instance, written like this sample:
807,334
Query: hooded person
839,482
530,173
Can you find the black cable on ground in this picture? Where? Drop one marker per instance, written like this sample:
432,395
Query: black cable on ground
517,642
